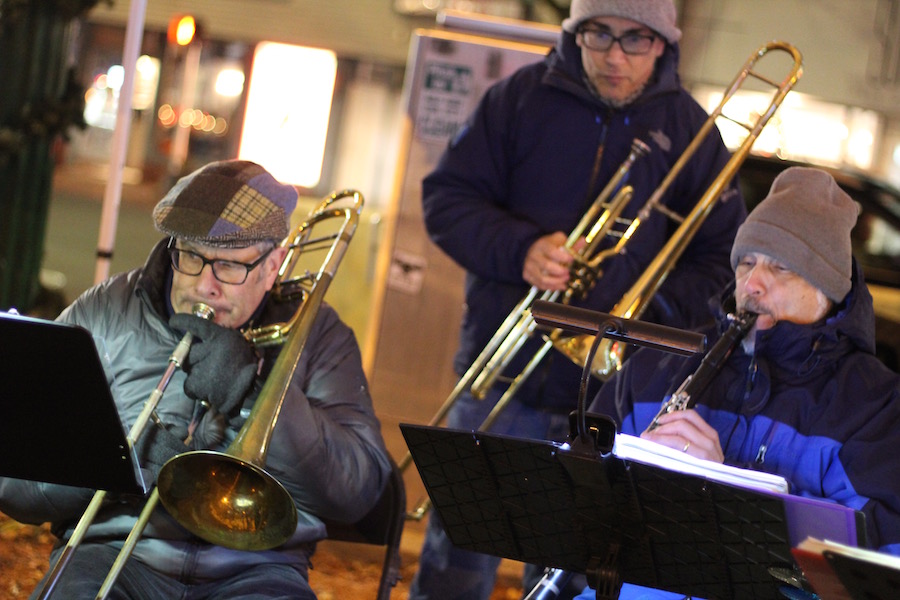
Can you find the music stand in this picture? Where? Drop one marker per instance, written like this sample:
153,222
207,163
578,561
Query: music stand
539,502
865,580
58,420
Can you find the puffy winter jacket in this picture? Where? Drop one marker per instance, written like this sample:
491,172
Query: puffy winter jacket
812,404
326,448
532,158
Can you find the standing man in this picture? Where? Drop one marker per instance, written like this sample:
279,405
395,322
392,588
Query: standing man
223,226
515,181
804,395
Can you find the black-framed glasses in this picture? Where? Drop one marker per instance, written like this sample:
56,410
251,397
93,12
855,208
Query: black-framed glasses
631,42
226,271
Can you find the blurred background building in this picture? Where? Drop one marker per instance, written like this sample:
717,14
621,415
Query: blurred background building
330,75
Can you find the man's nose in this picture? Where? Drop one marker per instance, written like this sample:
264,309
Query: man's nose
206,280
615,54
755,280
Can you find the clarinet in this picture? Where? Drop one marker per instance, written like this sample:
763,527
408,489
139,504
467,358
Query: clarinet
740,323
695,383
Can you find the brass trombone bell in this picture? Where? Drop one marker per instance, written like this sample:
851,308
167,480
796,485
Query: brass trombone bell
228,501
578,347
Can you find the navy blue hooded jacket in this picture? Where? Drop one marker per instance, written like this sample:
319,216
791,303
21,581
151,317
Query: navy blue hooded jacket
812,404
532,158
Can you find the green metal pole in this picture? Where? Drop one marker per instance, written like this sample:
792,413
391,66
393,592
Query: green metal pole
34,110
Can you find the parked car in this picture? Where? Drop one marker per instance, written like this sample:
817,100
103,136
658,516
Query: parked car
876,238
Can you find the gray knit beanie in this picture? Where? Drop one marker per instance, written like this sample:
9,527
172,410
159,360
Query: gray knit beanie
658,15
229,204
804,223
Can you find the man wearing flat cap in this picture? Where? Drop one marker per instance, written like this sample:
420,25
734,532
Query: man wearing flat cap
514,183
223,225
803,396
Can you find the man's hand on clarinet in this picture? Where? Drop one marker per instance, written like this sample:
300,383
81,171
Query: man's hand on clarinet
685,430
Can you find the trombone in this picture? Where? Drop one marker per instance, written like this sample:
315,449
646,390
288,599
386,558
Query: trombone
519,326
228,498
610,353
602,216
87,517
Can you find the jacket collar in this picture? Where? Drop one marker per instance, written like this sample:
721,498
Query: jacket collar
152,285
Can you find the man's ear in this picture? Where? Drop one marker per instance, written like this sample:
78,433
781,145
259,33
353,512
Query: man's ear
273,263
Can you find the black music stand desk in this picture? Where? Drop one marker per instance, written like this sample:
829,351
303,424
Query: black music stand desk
614,520
58,420
865,580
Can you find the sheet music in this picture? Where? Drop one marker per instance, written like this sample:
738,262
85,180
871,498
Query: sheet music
629,447
818,546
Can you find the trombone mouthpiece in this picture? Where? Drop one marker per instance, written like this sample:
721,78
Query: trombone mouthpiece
204,311
181,350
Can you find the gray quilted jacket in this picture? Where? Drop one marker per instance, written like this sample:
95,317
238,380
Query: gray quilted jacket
326,448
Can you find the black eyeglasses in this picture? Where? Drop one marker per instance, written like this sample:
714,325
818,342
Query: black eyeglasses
602,40
226,271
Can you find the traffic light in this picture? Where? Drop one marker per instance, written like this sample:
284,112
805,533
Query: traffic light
183,30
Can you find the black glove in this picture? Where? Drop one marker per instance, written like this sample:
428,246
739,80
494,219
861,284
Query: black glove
159,443
155,447
221,364
210,431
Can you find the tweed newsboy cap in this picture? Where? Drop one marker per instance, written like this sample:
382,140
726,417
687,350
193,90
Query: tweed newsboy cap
228,204
658,15
804,223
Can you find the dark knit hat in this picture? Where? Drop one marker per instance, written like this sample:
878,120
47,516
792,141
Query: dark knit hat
229,204
804,223
658,15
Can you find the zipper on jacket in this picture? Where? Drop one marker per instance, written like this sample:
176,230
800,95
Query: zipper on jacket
752,370
767,441
751,377
598,158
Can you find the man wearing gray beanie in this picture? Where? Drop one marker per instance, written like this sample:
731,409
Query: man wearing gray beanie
804,395
514,182
805,224
223,225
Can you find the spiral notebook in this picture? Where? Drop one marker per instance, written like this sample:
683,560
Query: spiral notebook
58,420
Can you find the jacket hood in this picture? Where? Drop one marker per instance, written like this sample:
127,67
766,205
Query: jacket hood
801,348
564,69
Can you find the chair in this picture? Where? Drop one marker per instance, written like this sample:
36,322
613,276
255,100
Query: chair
383,525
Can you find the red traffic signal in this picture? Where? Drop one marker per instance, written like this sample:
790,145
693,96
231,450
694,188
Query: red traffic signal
183,29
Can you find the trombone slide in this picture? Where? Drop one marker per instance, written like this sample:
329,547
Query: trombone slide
175,361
